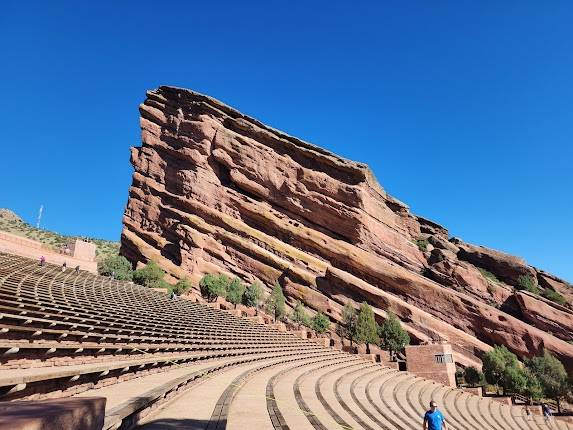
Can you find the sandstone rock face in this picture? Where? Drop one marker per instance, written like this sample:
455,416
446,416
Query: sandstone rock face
506,267
217,191
552,318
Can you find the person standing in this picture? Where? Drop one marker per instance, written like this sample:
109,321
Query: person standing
434,419
42,260
546,412
528,413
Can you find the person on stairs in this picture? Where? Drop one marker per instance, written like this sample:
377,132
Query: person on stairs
546,412
434,419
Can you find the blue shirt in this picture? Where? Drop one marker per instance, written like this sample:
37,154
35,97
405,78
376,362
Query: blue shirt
434,419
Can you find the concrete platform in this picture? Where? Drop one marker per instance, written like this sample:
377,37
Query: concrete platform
62,414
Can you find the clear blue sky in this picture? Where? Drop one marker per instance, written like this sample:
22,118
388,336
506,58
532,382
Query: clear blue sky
463,109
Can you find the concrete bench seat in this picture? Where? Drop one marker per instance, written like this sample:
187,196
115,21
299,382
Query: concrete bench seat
15,382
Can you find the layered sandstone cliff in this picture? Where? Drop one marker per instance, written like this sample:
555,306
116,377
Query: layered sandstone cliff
217,191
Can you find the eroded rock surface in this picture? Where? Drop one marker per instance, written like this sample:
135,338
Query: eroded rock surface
217,191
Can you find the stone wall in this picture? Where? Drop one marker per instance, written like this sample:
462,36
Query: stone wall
434,361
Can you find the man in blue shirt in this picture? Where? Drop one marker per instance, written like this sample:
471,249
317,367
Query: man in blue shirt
434,419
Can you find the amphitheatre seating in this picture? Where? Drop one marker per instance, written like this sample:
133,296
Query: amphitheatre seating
164,363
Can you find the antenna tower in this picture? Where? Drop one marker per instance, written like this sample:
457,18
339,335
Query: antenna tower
40,216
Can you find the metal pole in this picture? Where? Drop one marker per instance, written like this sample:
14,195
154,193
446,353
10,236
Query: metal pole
40,216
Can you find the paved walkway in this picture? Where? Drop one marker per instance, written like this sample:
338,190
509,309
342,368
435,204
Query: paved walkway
193,409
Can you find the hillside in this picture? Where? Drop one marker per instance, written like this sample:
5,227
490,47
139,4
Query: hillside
215,190
10,222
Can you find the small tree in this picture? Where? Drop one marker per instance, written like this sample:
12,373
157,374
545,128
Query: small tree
252,295
473,376
551,375
366,328
347,327
515,379
495,363
182,286
320,323
235,291
393,337
150,276
299,315
117,265
213,286
275,304
534,390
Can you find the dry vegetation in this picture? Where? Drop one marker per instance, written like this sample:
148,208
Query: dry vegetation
12,223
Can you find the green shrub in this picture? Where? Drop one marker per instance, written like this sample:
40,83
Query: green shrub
487,274
182,286
392,336
150,276
213,286
422,244
473,376
118,265
299,315
554,296
275,304
320,323
252,295
527,283
235,291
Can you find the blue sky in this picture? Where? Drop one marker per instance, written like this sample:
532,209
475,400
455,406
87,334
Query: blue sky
463,109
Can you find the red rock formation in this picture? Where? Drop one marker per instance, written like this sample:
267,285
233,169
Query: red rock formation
551,317
215,190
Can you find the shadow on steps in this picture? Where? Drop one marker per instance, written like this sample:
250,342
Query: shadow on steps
182,424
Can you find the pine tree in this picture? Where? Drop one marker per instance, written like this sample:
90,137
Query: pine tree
551,375
182,286
213,286
235,291
252,295
473,376
275,304
393,337
150,276
320,323
347,327
495,367
299,315
366,328
117,265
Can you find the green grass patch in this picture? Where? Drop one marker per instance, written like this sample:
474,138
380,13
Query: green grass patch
487,274
422,244
527,283
554,296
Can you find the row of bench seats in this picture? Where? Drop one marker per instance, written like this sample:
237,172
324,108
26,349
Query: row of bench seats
164,363
57,324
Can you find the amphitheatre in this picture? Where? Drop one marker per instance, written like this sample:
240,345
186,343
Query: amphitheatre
275,257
